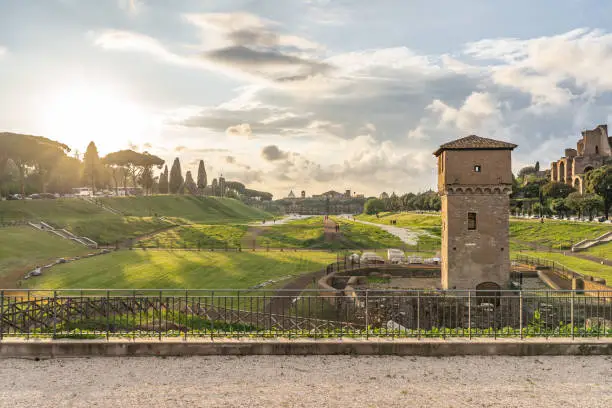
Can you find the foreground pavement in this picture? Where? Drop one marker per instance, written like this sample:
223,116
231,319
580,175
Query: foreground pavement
313,381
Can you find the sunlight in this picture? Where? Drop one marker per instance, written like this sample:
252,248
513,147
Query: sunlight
79,114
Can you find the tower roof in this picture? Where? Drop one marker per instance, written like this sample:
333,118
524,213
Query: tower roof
474,142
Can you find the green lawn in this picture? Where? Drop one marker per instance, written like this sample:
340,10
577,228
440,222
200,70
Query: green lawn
602,251
180,269
206,210
426,225
579,265
108,229
356,235
23,248
555,234
60,211
198,235
306,233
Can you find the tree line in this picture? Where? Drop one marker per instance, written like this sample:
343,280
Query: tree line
33,164
426,201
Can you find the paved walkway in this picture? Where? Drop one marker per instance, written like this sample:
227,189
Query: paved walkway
313,381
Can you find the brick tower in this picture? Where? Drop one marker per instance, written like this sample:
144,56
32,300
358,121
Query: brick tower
474,182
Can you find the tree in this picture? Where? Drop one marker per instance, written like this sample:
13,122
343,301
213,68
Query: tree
144,163
559,206
202,181
592,204
574,203
556,190
215,187
91,166
190,184
176,177
163,181
537,166
599,181
374,206
123,164
526,171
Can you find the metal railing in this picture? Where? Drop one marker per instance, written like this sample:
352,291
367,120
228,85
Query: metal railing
303,314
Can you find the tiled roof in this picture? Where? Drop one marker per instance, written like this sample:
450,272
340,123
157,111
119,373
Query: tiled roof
474,142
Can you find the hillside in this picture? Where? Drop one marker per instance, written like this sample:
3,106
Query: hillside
206,210
23,248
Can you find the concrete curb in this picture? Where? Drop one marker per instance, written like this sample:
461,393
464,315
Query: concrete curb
426,348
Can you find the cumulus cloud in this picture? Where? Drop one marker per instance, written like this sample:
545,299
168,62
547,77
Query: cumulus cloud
243,129
388,108
272,153
230,159
3,51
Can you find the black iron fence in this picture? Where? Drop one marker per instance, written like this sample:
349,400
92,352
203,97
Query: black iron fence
309,313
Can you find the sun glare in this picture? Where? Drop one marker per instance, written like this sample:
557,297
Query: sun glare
79,114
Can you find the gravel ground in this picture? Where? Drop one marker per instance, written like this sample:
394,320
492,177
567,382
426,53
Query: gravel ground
314,381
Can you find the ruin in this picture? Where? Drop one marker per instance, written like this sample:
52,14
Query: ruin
593,150
474,182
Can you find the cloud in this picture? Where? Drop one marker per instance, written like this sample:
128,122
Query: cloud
3,51
230,159
272,153
179,149
243,129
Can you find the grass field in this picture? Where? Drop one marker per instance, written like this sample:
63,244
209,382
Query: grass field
306,233
309,233
205,210
23,248
602,251
555,234
358,236
180,269
198,236
579,265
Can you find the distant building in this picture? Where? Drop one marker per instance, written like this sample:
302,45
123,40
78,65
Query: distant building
384,196
291,195
303,194
347,194
592,151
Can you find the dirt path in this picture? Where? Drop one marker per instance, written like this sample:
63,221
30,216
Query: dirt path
284,297
592,258
329,231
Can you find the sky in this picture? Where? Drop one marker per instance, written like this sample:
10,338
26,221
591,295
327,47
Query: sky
307,94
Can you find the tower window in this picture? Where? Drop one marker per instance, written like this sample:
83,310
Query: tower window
477,168
596,149
471,221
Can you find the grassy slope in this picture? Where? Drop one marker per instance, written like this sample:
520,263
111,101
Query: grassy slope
430,224
358,235
22,248
207,210
180,269
555,234
602,251
189,236
307,233
89,220
579,265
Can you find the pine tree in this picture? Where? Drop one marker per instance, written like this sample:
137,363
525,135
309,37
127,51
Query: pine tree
176,177
190,185
91,166
537,166
202,181
163,181
214,187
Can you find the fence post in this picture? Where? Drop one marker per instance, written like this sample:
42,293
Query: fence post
521,313
186,313
419,315
54,313
367,317
470,314
1,314
107,313
160,315
572,313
